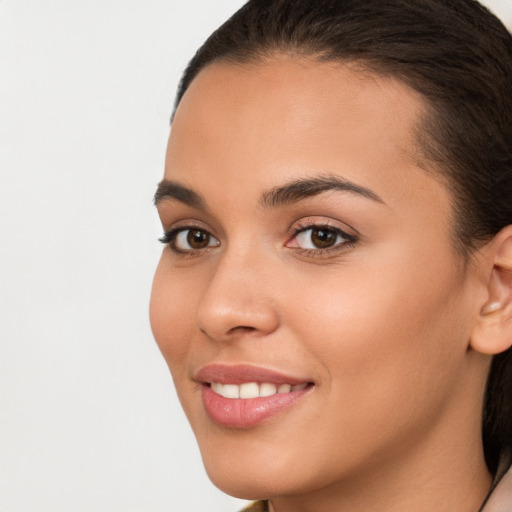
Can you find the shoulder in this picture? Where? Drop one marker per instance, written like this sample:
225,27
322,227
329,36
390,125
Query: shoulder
257,506
500,497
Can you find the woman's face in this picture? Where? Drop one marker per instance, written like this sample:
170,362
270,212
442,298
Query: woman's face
309,249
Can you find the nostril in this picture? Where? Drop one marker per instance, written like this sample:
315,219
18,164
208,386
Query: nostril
234,331
241,328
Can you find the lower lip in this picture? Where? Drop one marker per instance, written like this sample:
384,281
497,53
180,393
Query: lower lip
247,412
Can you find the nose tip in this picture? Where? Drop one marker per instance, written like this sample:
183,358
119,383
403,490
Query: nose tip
236,304
228,317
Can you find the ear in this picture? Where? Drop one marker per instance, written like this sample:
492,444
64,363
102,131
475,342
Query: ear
492,332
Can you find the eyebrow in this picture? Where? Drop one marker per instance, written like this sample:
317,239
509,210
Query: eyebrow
172,190
308,187
292,192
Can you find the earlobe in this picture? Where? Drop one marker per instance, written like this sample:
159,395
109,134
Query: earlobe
492,332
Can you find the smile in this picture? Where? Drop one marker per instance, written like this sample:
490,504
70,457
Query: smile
244,396
250,390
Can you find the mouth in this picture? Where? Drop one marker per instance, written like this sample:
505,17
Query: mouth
249,390
244,396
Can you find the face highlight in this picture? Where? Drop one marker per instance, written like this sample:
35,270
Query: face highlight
307,252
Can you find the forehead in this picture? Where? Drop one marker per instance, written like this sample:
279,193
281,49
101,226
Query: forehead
302,94
271,121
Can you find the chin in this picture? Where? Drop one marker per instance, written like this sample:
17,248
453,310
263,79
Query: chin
247,469
244,488
253,485
250,467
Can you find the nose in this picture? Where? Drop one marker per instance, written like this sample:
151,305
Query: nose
238,300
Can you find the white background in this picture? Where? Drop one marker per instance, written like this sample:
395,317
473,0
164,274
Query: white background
88,416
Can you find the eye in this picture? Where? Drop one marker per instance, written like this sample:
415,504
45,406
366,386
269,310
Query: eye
320,238
188,240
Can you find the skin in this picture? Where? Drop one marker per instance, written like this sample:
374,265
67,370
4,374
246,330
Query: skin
382,326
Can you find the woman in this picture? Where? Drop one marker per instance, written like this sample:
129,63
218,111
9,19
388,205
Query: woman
334,296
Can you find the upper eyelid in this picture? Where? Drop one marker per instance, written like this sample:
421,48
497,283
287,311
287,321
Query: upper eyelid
173,213
319,221
175,230
332,228
188,223
341,232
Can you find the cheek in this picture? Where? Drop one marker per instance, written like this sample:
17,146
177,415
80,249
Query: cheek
170,311
383,336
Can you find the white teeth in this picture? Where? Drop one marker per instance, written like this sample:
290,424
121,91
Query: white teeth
230,391
249,390
253,389
217,387
267,389
284,388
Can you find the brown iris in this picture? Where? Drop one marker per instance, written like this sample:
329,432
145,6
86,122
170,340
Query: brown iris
323,237
198,239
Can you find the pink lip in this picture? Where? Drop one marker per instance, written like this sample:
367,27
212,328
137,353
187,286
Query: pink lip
238,374
245,413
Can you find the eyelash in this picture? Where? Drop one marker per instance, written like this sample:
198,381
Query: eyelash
302,227
169,238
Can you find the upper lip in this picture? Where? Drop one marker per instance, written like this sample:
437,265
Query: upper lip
241,373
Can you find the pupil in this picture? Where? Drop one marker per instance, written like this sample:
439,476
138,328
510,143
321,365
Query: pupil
323,238
198,239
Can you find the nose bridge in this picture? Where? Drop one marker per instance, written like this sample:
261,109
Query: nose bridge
238,297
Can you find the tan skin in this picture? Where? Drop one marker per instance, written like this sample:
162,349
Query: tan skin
381,319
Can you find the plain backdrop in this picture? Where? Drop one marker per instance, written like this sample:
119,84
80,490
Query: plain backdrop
88,416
